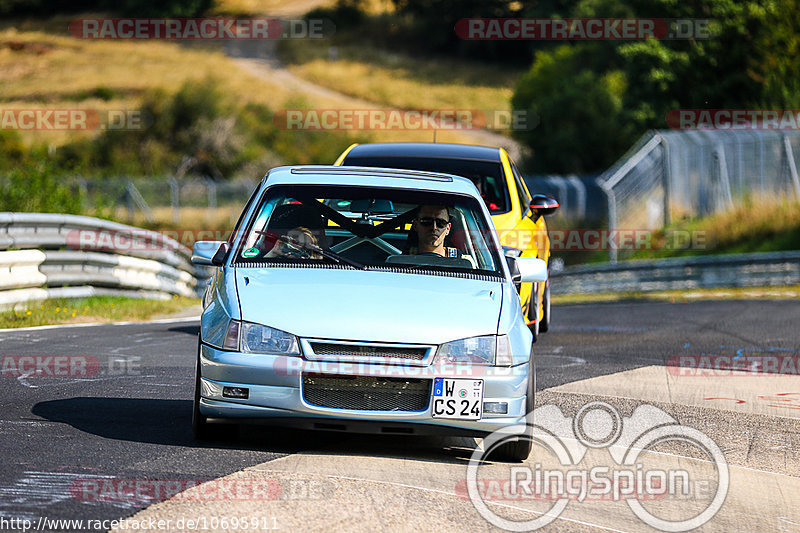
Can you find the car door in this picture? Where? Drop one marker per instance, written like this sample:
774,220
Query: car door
530,236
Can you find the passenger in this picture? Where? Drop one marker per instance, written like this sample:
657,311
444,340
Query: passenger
295,243
432,225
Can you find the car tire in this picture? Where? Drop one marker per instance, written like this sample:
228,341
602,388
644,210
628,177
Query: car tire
545,324
201,428
533,312
518,449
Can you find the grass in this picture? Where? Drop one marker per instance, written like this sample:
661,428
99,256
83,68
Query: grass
57,71
92,309
252,8
195,223
754,225
400,81
44,67
683,296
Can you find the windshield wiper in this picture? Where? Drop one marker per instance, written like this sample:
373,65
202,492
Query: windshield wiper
333,256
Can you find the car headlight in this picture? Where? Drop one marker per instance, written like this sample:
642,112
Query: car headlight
255,338
484,350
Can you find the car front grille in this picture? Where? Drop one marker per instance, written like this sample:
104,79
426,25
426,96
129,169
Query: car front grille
369,350
366,393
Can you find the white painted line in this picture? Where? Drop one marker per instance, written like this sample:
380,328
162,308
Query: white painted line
92,324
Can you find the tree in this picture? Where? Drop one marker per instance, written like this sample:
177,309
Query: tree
581,121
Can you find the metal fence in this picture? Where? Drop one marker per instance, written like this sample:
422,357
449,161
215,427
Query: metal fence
772,269
668,174
145,195
580,198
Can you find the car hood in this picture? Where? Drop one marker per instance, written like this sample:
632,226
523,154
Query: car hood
369,305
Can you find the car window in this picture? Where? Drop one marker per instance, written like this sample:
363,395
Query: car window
486,175
369,227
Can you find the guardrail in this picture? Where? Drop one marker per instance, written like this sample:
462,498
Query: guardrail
699,272
74,256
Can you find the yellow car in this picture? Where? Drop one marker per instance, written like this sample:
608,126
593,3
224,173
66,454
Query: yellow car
517,215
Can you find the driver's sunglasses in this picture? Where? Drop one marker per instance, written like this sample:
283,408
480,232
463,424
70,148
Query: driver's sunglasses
428,221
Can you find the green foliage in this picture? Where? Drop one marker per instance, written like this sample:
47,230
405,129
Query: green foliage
12,150
38,187
580,113
201,131
751,60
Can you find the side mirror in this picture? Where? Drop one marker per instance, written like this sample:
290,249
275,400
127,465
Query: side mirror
209,253
543,205
513,268
531,269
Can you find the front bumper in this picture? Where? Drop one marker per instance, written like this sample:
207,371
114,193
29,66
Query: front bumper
276,396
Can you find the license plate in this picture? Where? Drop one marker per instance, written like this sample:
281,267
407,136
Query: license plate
457,398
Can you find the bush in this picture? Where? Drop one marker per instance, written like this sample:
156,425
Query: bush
38,187
199,131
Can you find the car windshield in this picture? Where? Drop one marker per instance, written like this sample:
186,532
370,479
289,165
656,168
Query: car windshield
369,228
486,175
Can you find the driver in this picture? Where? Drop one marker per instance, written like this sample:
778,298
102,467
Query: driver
432,225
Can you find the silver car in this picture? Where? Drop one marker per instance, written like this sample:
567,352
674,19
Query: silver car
366,300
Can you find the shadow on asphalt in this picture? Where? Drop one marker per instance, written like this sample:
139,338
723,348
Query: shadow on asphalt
169,422
190,330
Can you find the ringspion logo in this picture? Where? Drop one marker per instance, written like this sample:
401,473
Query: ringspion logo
599,456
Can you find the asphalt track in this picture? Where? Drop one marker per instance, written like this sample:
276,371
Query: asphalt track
77,445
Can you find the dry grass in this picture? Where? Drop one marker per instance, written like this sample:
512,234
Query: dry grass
279,8
190,218
290,7
754,219
400,81
57,71
756,224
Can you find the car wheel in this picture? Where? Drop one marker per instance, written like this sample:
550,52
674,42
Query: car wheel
201,429
533,312
518,449
545,324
